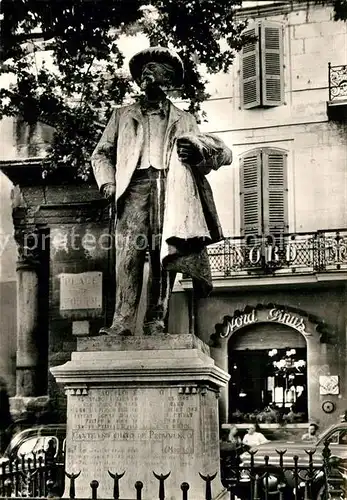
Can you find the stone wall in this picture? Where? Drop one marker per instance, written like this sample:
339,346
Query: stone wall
317,152
8,334
73,259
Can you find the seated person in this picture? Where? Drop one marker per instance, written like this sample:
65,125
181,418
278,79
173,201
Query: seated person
311,436
254,437
225,444
234,437
230,450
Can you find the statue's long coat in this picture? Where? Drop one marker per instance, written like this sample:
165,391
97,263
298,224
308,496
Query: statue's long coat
190,217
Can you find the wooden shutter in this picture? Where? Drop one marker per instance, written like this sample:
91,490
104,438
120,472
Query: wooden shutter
250,195
275,191
271,37
250,71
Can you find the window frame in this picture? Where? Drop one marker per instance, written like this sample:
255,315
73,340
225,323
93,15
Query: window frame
264,188
265,72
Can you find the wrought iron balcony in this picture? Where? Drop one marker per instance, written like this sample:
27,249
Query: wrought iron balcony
300,253
337,104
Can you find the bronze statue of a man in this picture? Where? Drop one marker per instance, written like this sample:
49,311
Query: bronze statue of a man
152,161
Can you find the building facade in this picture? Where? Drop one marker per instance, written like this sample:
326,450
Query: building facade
277,318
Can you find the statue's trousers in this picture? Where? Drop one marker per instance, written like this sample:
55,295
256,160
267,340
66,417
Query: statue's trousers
138,229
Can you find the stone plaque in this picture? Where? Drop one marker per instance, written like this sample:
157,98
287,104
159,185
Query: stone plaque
80,328
81,291
141,430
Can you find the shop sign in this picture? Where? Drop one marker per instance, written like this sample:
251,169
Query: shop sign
270,254
287,319
268,315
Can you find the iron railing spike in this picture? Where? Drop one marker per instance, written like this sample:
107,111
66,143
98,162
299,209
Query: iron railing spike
161,478
185,487
72,477
208,480
94,487
139,487
116,477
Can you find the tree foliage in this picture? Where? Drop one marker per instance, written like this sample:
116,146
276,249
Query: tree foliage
86,80
76,93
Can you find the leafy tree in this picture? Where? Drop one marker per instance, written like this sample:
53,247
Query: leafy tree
77,93
82,37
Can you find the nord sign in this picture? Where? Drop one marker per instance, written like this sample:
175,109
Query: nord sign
270,253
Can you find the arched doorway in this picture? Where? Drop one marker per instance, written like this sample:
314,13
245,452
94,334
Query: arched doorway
267,364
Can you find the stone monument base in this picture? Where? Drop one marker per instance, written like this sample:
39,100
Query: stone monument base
142,405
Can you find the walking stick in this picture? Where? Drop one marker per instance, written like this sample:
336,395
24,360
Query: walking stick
111,253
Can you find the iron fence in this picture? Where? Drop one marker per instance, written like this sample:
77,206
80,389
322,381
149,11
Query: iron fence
48,489
337,82
312,477
33,476
284,478
321,251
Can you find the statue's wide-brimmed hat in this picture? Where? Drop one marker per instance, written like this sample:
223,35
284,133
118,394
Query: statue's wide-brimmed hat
160,55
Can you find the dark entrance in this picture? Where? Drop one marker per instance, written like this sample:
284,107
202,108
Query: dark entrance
268,369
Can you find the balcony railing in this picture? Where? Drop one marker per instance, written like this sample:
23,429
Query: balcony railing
337,82
301,253
337,104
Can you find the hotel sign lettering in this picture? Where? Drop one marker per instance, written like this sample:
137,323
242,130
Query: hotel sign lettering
262,316
270,254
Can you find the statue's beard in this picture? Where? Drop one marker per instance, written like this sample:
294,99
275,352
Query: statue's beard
153,89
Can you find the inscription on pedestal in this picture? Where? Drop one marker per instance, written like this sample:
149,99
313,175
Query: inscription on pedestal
210,441
138,430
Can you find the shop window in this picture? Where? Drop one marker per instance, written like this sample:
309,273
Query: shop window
262,66
264,193
268,385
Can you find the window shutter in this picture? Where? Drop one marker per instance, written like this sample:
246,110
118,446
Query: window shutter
275,192
250,195
272,64
250,71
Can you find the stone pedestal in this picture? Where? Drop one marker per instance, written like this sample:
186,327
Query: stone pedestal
142,404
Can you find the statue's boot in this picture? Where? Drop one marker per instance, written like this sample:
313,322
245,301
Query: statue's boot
154,327
115,329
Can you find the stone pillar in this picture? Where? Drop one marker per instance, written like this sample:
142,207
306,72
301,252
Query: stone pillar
142,405
27,329
27,365
219,352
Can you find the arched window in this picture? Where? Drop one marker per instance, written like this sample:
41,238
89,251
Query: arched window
268,374
264,192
